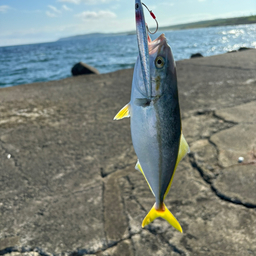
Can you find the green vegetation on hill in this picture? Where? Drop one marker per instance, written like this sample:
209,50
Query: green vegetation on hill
200,24
214,23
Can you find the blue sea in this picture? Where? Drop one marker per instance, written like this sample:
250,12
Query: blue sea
52,61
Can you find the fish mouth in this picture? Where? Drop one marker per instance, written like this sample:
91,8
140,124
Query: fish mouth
154,46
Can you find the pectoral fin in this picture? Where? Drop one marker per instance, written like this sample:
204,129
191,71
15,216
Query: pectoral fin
183,150
123,113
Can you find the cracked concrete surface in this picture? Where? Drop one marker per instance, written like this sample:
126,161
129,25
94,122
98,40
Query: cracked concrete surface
67,179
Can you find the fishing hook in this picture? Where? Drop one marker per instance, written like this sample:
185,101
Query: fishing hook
154,17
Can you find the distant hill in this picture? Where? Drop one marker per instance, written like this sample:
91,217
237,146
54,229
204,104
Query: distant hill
214,23
199,24
81,37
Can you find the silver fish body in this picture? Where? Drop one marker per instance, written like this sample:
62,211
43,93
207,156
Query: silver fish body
156,123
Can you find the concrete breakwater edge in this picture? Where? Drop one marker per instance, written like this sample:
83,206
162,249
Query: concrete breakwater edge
68,184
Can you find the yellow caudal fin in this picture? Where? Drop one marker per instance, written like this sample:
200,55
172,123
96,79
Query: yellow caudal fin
123,113
165,214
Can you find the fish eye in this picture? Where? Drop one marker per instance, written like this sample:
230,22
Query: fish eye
136,6
159,62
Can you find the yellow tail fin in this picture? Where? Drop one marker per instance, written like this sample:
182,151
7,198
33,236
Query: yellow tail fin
165,214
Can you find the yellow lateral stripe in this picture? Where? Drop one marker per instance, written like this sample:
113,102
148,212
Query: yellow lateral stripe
123,113
166,214
183,150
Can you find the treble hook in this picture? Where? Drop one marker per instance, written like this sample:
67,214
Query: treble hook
154,17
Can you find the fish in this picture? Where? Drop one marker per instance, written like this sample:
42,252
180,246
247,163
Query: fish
155,122
142,39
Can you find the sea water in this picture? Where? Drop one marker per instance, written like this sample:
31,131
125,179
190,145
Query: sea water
51,61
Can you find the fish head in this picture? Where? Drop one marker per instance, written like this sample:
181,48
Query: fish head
162,66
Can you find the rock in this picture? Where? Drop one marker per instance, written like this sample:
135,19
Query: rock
241,49
232,51
244,49
83,69
196,55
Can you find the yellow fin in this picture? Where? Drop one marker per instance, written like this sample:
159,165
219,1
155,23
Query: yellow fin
139,168
165,214
183,150
123,113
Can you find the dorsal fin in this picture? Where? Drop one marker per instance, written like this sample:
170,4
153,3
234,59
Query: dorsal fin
183,150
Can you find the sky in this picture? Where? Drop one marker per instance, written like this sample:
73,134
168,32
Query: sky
34,21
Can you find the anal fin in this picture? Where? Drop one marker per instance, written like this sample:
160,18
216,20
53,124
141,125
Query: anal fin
139,168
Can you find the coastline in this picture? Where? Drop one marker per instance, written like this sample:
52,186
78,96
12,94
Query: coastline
44,62
248,20
69,184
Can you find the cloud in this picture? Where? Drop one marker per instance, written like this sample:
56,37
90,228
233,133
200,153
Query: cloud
70,1
167,4
51,14
54,12
96,15
85,1
4,8
64,7
54,9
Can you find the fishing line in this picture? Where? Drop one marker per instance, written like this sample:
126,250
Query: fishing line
154,17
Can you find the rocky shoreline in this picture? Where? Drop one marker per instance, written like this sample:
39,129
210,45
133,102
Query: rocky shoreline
68,184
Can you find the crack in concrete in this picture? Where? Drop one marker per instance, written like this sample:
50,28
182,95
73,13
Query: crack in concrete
208,180
115,243
133,247
224,120
127,220
117,168
13,159
214,190
162,238
133,196
79,252
217,150
231,200
25,250
103,212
